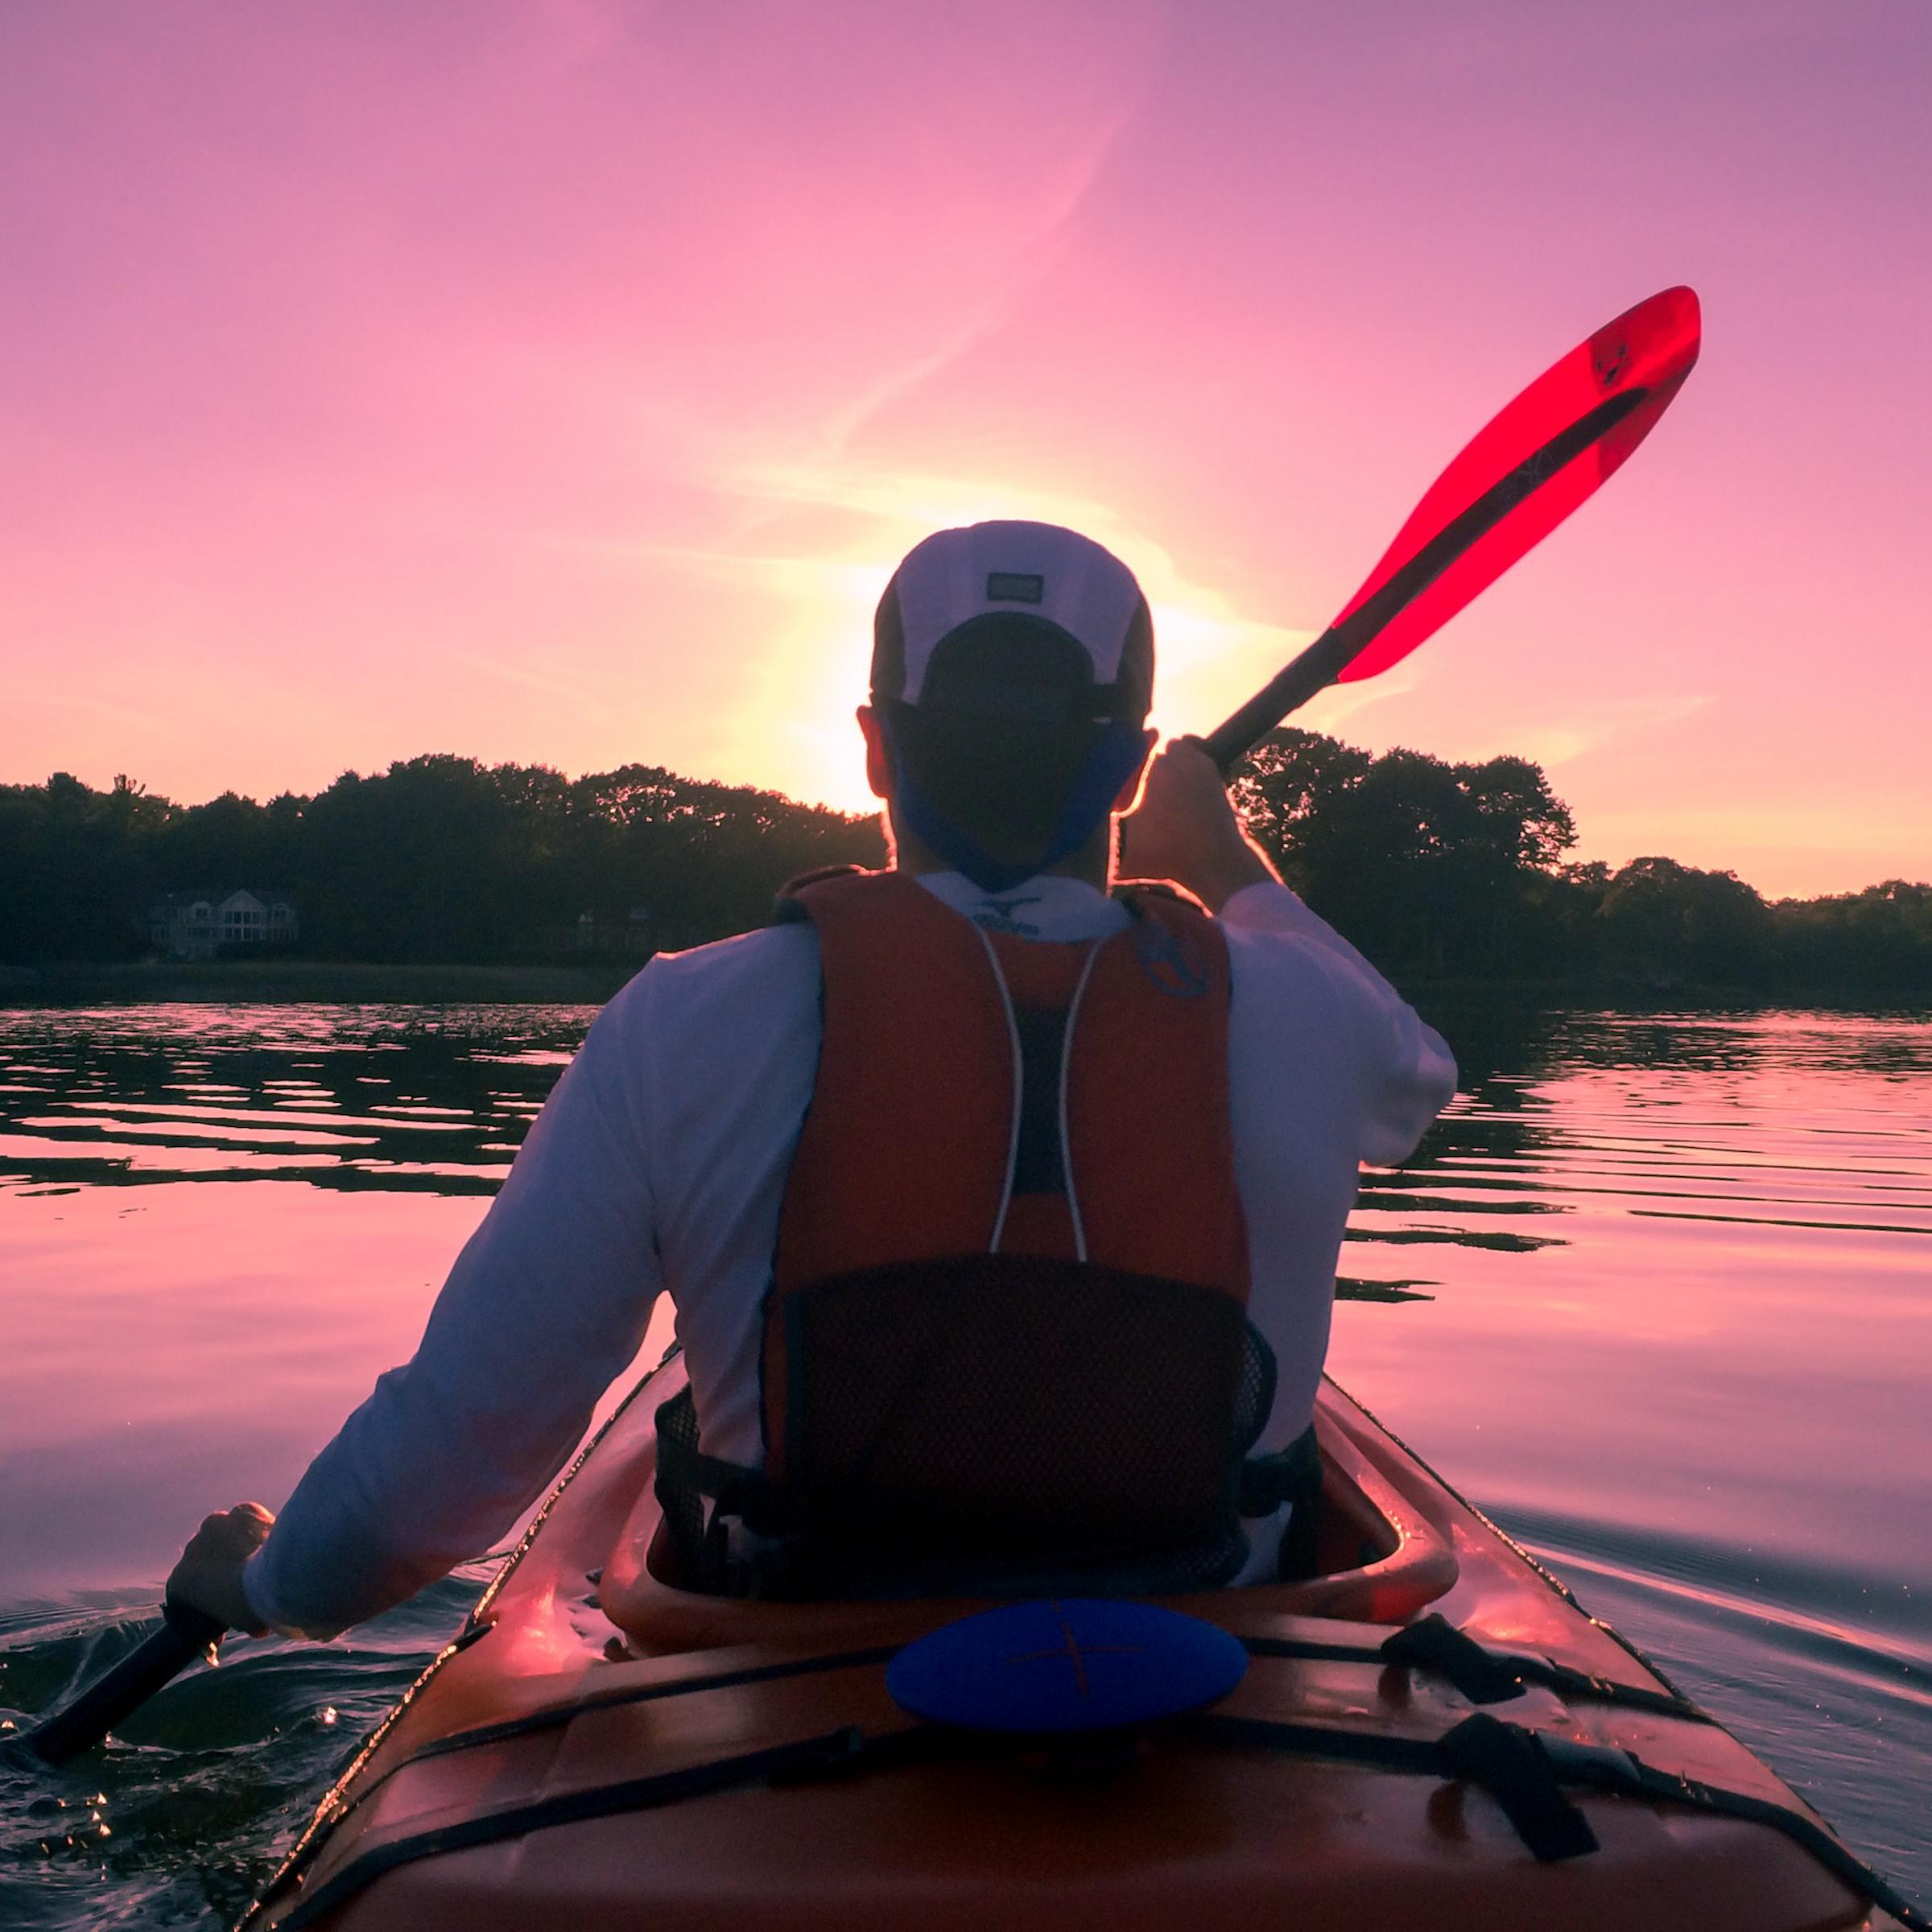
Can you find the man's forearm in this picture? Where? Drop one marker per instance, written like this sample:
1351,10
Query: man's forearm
1184,829
1221,874
545,1306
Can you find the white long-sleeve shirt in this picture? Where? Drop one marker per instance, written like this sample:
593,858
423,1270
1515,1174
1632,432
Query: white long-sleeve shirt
659,1165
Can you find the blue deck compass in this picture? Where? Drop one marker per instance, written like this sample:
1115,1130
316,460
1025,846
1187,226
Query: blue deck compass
1066,1665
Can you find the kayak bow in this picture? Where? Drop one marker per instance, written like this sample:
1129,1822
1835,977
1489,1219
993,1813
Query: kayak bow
1429,1733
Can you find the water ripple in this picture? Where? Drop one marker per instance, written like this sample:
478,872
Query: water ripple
1676,1334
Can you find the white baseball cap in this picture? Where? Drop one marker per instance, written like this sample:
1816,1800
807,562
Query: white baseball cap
1024,620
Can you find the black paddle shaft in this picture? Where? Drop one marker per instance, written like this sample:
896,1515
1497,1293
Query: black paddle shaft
1341,644
184,1635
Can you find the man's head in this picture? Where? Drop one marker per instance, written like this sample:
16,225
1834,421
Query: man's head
1012,672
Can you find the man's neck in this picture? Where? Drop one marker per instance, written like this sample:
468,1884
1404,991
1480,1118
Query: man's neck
1092,865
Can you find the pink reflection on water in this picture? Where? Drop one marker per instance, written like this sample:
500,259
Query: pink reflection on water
169,1343
452,1170
44,1153
1728,1343
272,1117
206,1130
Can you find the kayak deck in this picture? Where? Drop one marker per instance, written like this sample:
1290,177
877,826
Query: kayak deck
614,1752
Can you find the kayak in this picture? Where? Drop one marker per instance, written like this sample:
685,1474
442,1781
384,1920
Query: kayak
1429,1733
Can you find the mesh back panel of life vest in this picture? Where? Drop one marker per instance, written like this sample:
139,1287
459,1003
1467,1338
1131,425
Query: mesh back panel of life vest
930,1402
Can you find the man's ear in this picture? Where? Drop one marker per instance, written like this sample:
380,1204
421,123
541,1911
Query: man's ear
879,758
1130,791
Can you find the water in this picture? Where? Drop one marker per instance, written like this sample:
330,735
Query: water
1656,1293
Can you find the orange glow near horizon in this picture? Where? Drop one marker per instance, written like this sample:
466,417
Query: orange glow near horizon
564,391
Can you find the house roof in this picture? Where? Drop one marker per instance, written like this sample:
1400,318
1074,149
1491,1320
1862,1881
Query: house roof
171,902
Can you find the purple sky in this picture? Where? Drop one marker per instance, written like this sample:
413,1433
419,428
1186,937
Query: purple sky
560,381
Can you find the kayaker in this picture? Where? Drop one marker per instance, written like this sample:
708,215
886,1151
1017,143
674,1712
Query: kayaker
954,1166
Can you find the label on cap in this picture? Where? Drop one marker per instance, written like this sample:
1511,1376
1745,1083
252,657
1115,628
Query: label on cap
1013,587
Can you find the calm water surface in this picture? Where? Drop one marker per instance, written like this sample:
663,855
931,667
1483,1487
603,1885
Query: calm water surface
1658,1294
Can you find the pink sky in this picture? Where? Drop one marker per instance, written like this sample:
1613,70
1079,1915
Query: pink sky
559,382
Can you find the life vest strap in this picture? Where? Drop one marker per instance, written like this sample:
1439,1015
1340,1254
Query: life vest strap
1292,1474
702,1495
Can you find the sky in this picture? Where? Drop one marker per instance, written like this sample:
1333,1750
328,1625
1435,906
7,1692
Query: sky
558,381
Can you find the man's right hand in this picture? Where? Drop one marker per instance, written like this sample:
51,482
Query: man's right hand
208,1576
1184,829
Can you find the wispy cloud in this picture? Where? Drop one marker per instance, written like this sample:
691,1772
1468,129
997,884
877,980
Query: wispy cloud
537,675
1602,722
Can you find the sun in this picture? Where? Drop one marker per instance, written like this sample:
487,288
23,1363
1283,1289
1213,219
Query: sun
793,728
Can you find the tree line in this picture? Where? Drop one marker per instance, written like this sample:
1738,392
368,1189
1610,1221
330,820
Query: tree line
437,859
1441,869
1435,869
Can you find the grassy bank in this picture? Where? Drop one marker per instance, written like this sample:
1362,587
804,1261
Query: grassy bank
257,982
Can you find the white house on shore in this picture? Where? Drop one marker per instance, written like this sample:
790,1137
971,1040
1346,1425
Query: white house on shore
191,925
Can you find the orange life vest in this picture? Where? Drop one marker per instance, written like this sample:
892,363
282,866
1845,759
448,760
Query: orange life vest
1005,1342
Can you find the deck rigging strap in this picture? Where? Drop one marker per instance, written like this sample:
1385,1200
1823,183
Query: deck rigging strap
1601,1768
553,1715
309,1847
1596,1768
1480,1675
808,1759
1524,1771
1432,1644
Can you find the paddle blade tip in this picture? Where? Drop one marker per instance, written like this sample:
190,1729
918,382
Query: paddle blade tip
1654,343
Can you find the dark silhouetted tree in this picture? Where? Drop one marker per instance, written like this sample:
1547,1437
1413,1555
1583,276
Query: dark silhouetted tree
1880,938
1424,864
1663,921
1429,866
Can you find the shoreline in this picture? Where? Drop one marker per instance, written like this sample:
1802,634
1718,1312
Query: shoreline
331,982
300,982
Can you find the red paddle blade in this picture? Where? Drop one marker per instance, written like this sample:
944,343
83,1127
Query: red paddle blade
1624,377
